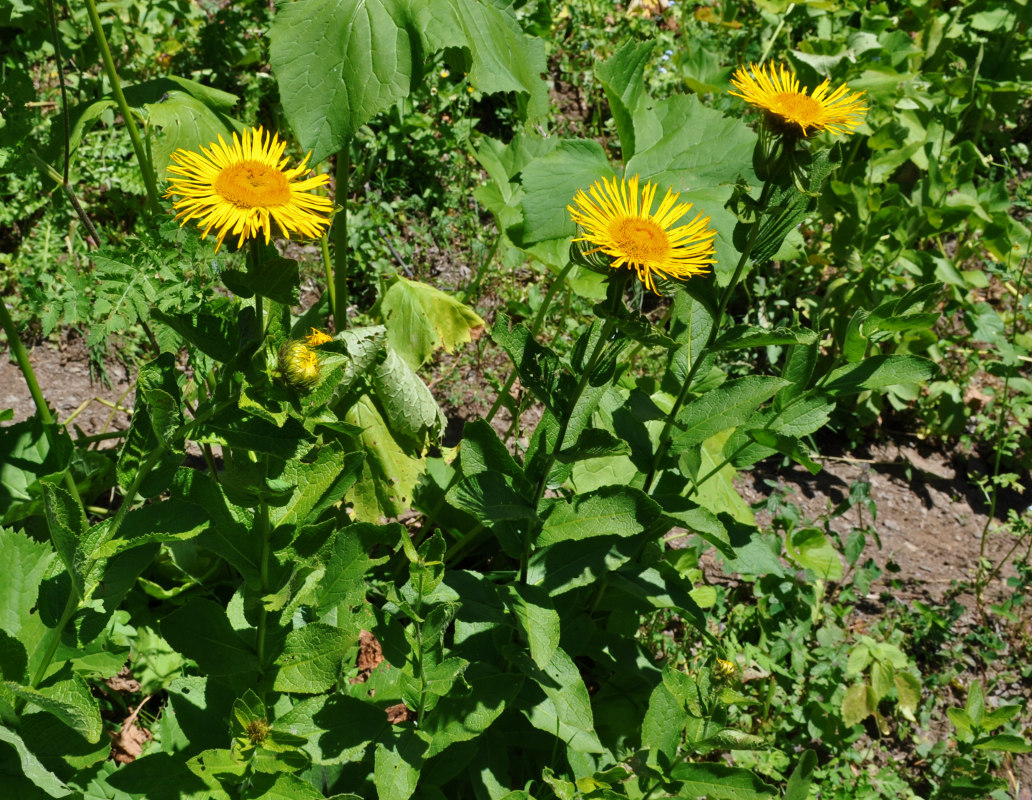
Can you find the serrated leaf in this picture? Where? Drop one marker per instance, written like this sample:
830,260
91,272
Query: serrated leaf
726,406
317,485
565,709
312,657
663,725
607,511
421,319
32,767
877,372
68,700
25,562
410,408
396,766
621,78
858,704
338,64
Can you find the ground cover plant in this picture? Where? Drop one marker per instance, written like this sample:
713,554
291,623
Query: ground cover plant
677,242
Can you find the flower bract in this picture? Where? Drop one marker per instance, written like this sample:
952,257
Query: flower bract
243,187
299,365
617,218
790,109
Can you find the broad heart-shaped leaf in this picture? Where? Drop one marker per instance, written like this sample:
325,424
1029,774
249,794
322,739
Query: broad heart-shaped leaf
726,406
557,702
622,80
810,550
420,319
389,473
720,782
32,768
877,372
25,562
504,59
551,182
70,701
338,64
607,511
701,154
312,658
201,630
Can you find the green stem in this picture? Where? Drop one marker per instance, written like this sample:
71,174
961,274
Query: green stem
264,531
777,33
71,606
21,355
324,246
130,121
55,176
340,239
559,281
256,262
725,298
464,542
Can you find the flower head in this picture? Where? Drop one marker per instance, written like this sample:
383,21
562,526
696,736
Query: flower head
777,92
299,364
617,218
243,187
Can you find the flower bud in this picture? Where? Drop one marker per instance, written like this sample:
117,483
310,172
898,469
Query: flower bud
299,365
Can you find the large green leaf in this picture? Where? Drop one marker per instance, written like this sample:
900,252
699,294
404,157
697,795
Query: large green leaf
413,414
877,372
317,485
720,782
312,658
28,450
537,618
459,717
338,64
32,768
420,319
25,563
609,510
70,701
504,59
552,181
562,707
622,79
397,764
726,406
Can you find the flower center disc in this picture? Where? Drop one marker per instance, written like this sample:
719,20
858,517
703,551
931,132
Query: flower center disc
799,108
641,240
251,184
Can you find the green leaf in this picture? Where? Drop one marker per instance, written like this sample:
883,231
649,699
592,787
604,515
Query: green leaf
718,493
539,368
172,520
858,704
275,278
25,562
662,727
396,765
753,336
184,121
157,408
68,700
66,521
564,710
338,728
504,59
799,781
312,658
726,406
550,184
460,717
162,776
230,534
338,63
343,579
421,319
908,689
32,768
201,630
622,80
537,618
1004,743
491,497
975,706
811,550
214,331
29,450
482,451
390,472
607,511
246,432
720,782
317,485
408,405
877,372
999,716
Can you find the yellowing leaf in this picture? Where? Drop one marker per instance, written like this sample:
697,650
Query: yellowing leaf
421,319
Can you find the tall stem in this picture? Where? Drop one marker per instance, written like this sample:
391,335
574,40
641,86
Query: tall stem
130,121
725,298
339,295
256,262
331,290
21,355
264,531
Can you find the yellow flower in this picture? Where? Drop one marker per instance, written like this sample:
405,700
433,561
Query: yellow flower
299,365
777,92
242,188
618,220
316,337
724,670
